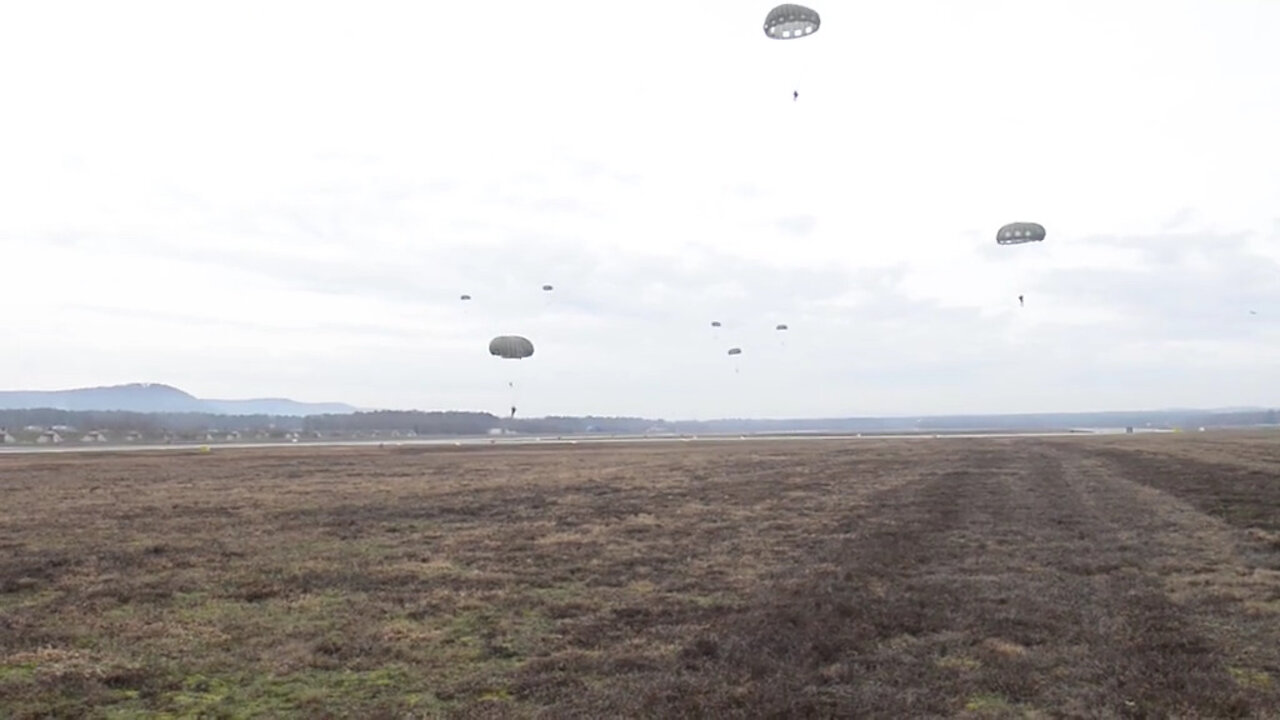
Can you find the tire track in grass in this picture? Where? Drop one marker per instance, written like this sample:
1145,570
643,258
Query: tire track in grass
986,585
785,510
1225,585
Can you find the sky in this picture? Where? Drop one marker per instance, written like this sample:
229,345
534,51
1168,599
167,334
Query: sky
287,199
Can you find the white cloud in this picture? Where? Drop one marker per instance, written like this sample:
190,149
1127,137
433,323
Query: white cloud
288,199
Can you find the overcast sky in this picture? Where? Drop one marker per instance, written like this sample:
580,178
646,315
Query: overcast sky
248,199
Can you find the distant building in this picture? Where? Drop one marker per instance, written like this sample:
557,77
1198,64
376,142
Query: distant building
49,437
233,435
133,436
5,437
94,436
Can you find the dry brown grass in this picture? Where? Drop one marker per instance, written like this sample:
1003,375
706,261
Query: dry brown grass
1082,577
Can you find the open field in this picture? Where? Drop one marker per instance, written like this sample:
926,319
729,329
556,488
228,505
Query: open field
1120,576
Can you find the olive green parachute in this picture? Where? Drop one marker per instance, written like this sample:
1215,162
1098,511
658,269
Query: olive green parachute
548,288
788,22
466,297
735,351
715,323
1020,232
511,347
781,327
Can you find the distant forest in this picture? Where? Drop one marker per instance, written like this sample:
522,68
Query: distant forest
22,423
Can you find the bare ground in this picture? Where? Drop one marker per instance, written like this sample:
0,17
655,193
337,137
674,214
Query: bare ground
1076,577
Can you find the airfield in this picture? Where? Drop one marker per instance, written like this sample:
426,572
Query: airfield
524,439
967,575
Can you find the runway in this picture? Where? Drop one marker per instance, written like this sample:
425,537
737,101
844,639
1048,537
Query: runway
509,440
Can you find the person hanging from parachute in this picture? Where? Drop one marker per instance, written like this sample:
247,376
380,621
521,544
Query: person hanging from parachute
735,351
511,347
789,22
1020,233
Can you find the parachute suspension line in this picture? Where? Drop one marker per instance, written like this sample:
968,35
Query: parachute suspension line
516,375
514,384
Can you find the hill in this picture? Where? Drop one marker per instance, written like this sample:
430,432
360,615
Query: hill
158,398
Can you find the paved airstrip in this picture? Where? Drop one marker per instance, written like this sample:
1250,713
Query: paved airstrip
485,440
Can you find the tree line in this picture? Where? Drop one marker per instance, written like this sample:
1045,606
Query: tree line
477,423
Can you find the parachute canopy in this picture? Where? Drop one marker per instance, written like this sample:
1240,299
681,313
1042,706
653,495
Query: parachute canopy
466,297
715,323
547,288
511,347
781,327
788,22
1020,232
735,351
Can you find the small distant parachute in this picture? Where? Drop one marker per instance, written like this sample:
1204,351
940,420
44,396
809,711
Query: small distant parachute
780,327
715,323
547,288
788,22
511,347
735,351
1020,232
466,297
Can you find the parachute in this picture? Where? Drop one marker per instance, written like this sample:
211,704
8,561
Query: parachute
788,22
466,297
735,351
547,288
715,323
781,327
511,347
1019,233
